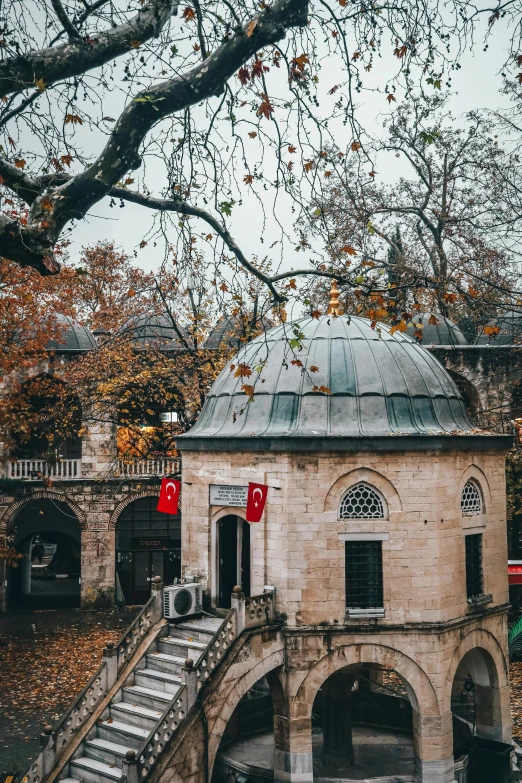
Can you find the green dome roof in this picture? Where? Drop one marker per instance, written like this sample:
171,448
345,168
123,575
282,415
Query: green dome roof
381,384
443,332
73,336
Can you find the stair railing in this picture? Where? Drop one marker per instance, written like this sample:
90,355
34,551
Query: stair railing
245,613
54,741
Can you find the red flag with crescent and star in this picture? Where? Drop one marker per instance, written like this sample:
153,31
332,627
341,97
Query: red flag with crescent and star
256,500
169,496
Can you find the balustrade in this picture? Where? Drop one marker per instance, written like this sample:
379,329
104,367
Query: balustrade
36,469
149,467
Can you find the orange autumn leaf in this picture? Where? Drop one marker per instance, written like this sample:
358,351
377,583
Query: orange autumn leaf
251,26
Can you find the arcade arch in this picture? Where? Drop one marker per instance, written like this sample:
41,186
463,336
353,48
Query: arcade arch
148,544
47,532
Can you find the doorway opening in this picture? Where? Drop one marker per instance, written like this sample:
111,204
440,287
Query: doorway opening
48,536
148,544
233,557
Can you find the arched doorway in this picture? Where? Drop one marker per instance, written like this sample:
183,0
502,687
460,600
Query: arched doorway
233,557
475,701
48,535
148,544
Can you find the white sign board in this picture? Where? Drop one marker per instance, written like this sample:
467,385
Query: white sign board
226,495
170,417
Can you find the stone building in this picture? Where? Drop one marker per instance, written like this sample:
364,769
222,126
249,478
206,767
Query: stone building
100,507
384,533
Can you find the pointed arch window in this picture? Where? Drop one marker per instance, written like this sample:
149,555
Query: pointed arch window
362,502
471,502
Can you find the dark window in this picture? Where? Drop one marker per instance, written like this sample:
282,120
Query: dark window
363,562
474,585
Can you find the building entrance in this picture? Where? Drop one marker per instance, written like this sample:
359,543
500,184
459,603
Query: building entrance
47,534
234,557
148,544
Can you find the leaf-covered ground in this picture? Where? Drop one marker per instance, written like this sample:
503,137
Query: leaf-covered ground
46,658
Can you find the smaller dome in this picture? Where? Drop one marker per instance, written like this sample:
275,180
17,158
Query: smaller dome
231,332
73,336
510,325
155,331
443,332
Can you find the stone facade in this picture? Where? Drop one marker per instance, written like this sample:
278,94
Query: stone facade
428,627
96,504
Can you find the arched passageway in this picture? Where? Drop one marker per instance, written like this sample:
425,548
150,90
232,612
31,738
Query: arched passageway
475,700
362,728
148,544
48,535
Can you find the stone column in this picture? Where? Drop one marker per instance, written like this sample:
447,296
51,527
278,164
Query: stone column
25,566
293,761
337,718
433,748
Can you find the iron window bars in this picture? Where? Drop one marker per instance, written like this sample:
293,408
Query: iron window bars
363,574
474,580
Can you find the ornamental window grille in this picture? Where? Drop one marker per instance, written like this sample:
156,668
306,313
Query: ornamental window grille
363,573
471,500
474,580
361,502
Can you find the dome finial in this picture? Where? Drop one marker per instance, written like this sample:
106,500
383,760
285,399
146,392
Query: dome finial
333,307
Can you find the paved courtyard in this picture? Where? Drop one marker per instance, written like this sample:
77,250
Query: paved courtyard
46,657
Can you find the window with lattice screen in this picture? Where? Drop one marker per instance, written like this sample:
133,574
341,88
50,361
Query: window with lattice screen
471,500
362,502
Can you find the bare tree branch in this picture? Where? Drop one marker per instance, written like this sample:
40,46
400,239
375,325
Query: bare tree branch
72,59
64,20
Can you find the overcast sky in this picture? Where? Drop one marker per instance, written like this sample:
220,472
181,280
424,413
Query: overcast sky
476,85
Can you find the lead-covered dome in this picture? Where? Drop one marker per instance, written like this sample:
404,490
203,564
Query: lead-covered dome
72,336
507,330
155,331
436,330
380,384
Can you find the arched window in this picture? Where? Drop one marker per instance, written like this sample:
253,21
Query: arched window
471,500
362,502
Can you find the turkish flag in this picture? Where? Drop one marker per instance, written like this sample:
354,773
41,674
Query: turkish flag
256,500
169,496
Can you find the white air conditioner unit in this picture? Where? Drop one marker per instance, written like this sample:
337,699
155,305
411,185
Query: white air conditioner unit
182,600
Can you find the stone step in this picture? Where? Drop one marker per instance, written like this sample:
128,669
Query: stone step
135,715
200,630
183,648
111,753
69,780
93,771
122,733
147,697
152,678
162,662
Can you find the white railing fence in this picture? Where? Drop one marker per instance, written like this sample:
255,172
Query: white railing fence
38,468
162,466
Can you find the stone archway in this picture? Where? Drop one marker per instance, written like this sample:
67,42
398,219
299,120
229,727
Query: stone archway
432,739
47,531
41,494
480,662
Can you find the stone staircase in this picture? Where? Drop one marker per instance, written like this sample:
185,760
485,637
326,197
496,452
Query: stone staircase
147,696
140,697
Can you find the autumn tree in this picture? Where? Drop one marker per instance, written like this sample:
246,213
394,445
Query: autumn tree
188,110
439,236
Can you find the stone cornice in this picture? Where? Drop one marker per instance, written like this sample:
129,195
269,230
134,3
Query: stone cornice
379,626
316,444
